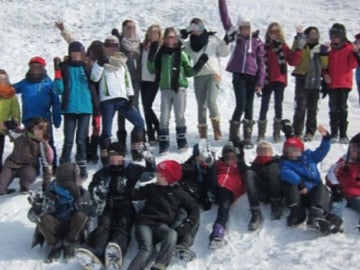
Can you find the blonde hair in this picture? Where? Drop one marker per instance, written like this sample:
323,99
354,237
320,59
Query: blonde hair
281,32
264,145
151,28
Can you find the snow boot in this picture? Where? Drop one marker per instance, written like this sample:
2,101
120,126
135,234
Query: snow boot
181,139
93,149
308,137
202,131
55,252
234,131
137,144
87,259
38,238
277,129
256,219
336,222
83,170
276,208
113,256
261,130
297,215
218,232
215,121
248,128
104,145
164,141
315,214
69,249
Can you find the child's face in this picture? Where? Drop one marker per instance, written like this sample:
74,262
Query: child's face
129,30
354,152
264,151
293,153
245,31
36,68
4,79
160,180
171,40
274,33
231,159
38,133
116,159
154,35
76,56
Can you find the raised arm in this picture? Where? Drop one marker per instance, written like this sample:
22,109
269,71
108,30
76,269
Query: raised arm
224,15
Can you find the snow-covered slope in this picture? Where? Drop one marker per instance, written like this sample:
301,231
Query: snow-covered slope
27,29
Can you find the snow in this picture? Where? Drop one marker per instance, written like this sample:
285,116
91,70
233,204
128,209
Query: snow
28,30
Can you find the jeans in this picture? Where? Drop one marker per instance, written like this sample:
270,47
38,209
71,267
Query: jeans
224,198
169,98
206,92
306,104
187,239
147,237
278,89
80,123
244,88
108,109
337,208
149,91
338,105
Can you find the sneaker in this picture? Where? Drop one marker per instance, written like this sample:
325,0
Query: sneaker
344,140
308,137
334,139
297,216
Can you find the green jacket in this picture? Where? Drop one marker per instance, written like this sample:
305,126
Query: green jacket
9,109
167,63
304,67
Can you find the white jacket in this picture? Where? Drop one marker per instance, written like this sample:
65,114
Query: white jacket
114,77
214,49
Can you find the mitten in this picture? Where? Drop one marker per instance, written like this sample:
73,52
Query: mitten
184,33
11,124
301,41
201,62
229,37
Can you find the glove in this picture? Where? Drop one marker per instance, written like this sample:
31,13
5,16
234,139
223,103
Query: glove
57,69
11,124
324,49
129,103
229,37
152,51
336,193
324,89
102,60
115,32
184,33
201,62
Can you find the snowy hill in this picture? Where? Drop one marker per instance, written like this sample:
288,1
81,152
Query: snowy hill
27,29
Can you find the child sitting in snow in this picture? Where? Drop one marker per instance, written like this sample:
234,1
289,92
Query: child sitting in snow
61,213
28,148
230,186
9,108
153,225
344,181
302,184
263,183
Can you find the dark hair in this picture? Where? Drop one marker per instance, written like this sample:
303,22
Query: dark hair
309,29
196,21
169,30
40,121
2,71
124,23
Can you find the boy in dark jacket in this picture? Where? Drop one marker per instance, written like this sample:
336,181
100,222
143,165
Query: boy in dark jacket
61,214
263,183
117,214
153,225
303,187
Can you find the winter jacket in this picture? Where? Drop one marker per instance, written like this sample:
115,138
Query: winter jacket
311,66
162,203
341,64
262,166
292,57
114,77
215,48
26,152
75,90
304,171
246,58
167,68
133,60
230,178
346,174
39,100
357,75
9,109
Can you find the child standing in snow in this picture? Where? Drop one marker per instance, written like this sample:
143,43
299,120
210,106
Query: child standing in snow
248,69
173,66
22,162
229,172
339,78
344,181
9,108
302,184
263,183
62,213
206,82
153,225
277,56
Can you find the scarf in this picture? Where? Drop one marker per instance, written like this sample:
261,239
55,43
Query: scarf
262,160
6,90
131,44
176,52
116,61
277,45
198,42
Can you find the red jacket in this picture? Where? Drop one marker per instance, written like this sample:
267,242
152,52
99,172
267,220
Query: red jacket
341,65
230,178
292,58
347,175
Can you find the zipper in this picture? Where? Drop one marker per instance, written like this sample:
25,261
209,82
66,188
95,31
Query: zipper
245,55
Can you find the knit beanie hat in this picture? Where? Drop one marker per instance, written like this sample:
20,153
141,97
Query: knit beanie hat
116,148
111,41
170,170
76,46
295,143
338,30
37,60
196,24
228,148
67,174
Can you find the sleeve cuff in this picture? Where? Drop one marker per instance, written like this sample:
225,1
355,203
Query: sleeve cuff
58,74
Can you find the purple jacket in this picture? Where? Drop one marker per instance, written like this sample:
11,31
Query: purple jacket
244,60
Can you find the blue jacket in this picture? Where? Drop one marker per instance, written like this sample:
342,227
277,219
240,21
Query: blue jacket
75,90
305,168
39,100
64,203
